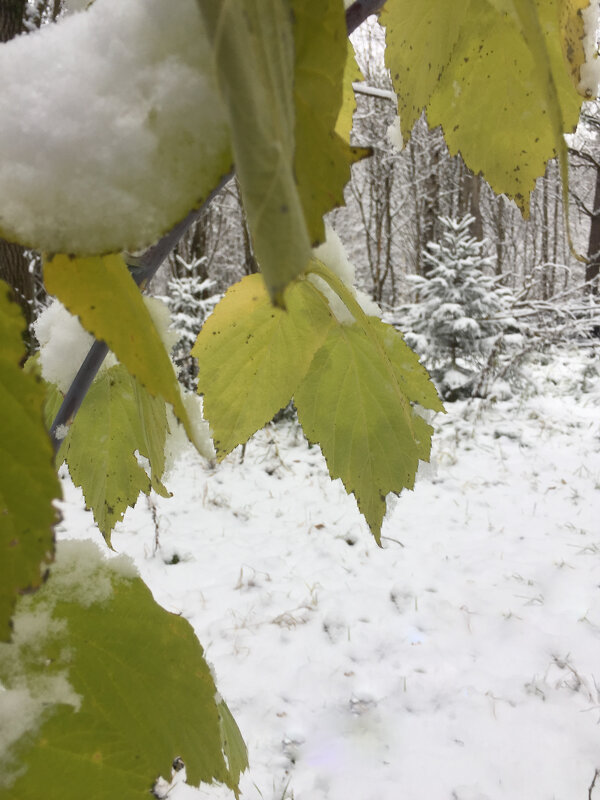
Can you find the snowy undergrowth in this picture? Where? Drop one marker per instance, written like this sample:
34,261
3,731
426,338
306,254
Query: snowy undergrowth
459,662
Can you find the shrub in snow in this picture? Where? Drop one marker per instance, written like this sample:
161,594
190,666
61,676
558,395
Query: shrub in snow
190,301
461,313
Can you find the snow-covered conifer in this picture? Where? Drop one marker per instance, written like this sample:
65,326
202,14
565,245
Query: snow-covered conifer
460,308
190,299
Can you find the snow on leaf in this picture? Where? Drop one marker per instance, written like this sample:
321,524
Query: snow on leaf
105,141
101,292
497,83
117,419
29,481
104,650
251,356
355,403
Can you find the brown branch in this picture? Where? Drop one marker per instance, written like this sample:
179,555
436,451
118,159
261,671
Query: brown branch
357,13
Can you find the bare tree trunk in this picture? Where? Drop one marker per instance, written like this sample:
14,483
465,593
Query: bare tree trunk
592,268
11,18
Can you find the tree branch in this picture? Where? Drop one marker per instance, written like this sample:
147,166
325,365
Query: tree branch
357,13
143,268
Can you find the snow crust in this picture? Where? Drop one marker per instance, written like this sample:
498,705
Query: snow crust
333,255
460,661
590,70
105,124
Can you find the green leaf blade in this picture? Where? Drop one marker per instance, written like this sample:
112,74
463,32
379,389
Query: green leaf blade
116,419
127,689
354,402
498,84
323,157
30,484
102,293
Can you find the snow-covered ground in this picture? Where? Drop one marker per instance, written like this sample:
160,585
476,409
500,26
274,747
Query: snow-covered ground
459,662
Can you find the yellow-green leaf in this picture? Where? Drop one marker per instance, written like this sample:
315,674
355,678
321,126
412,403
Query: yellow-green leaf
498,85
117,419
29,482
421,38
252,355
352,404
323,156
352,74
102,293
103,689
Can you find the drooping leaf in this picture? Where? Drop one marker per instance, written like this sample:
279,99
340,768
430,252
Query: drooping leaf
355,403
253,43
498,84
323,156
352,74
234,746
128,148
102,293
251,356
29,481
117,418
104,689
420,40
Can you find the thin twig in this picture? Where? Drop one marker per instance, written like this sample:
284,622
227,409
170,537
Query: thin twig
593,783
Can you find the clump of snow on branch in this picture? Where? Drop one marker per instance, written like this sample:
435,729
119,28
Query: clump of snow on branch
64,342
333,255
105,139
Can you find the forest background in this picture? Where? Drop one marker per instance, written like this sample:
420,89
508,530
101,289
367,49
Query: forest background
395,205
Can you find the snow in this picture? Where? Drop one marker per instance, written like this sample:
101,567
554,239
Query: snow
333,255
64,343
460,661
394,133
105,133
